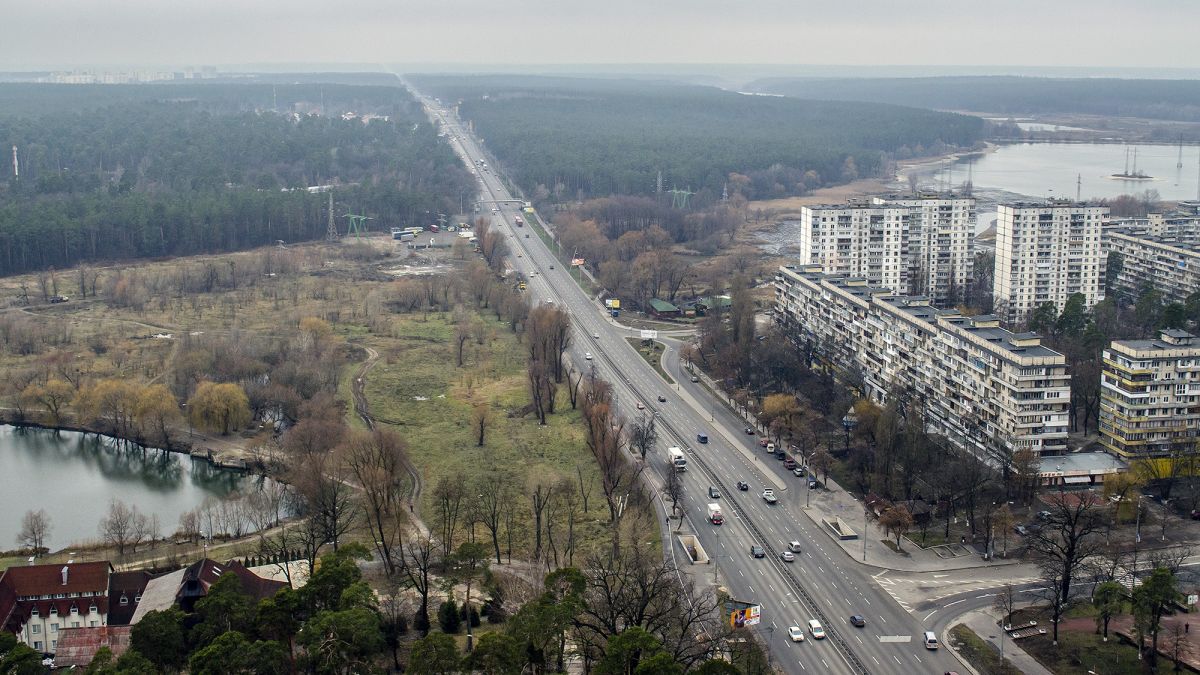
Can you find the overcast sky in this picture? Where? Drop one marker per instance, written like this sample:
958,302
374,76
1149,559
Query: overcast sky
175,33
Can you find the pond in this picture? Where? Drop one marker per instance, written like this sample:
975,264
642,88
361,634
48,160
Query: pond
73,476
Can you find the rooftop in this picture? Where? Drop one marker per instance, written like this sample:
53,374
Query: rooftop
1081,462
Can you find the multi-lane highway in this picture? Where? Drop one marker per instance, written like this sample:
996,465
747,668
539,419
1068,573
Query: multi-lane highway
823,583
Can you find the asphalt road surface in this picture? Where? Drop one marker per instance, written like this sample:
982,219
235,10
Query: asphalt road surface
823,582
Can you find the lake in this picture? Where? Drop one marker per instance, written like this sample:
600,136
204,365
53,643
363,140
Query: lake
73,476
1051,170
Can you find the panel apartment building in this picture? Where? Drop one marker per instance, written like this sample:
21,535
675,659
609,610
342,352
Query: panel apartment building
919,245
1046,253
988,390
1150,395
1162,251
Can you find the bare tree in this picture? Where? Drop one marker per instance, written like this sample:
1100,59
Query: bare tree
1066,542
675,491
643,435
604,437
495,494
123,527
420,555
481,418
896,521
1005,602
539,497
448,495
376,460
35,529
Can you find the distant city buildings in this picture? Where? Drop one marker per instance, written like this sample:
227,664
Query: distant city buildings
986,389
1045,253
1150,395
919,245
128,77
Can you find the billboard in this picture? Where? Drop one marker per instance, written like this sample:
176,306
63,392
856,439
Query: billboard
649,334
576,262
748,615
612,303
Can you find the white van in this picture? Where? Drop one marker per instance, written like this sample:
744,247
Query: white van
930,640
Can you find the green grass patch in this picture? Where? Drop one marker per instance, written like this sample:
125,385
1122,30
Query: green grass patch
1081,652
982,655
417,388
652,353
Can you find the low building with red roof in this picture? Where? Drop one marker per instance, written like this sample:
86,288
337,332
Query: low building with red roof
37,602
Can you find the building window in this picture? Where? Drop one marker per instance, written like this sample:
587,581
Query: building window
35,629
124,601
34,611
74,624
37,645
74,610
53,628
92,609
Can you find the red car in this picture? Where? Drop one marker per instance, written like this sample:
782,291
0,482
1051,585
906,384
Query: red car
762,442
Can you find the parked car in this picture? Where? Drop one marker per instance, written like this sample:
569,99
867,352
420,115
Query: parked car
694,378
798,472
757,551
787,556
750,430
762,442
1021,530
789,463
796,633
857,621
812,483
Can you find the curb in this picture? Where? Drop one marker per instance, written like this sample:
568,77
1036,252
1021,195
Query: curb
944,637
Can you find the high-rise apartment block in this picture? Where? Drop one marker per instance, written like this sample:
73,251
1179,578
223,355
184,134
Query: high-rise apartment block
919,245
988,390
1150,395
1161,251
1045,253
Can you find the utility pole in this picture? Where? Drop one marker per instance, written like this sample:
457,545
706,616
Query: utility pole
331,229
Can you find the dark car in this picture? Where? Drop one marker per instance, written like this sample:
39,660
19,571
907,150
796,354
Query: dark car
662,399
714,492
857,621
757,551
750,430
743,485
703,438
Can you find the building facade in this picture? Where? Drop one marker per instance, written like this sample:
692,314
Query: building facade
1045,253
989,391
1150,395
919,245
1162,252
37,602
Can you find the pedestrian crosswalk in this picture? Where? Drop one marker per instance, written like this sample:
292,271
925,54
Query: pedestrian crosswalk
908,591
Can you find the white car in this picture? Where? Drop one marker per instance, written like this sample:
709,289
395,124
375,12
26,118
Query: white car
787,556
587,355
796,633
596,336
815,628
794,546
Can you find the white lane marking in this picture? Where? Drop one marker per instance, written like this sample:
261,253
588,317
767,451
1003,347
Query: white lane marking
801,664
876,661
955,602
929,615
895,638
897,659
918,658
825,664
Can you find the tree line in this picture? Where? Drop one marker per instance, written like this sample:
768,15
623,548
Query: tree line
149,178
568,139
1154,99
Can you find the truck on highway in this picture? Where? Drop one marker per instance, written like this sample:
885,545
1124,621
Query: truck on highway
519,221
714,514
677,459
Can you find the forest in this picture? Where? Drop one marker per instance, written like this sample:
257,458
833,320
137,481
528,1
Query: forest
1154,99
116,172
578,138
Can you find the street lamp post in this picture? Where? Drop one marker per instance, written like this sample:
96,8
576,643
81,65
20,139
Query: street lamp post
848,423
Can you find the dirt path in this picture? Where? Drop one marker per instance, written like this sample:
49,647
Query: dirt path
363,409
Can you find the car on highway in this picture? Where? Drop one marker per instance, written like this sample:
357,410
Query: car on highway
857,620
527,236
587,356
641,406
796,633
713,492
703,438
769,497
794,546
552,267
695,379
787,556
595,336
743,485
815,628
662,399
757,551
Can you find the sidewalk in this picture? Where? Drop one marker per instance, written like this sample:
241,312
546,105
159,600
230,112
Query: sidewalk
987,627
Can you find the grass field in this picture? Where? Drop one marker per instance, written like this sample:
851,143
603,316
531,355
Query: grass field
652,353
980,654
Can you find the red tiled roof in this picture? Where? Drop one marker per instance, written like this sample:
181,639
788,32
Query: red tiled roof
18,582
77,646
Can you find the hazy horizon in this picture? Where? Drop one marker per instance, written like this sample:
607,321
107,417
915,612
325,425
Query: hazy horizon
1095,36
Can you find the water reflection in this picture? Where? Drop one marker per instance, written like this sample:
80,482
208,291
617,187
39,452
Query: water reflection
73,476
